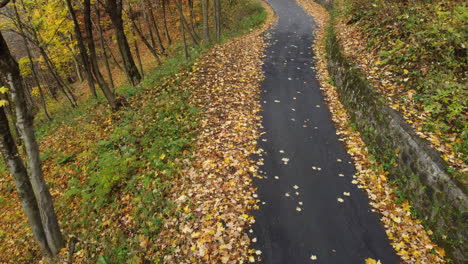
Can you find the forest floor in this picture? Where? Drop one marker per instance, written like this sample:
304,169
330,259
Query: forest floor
128,185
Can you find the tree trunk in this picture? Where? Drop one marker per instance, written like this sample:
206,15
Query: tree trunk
77,68
192,18
166,30
51,228
103,48
155,27
217,18
114,9
36,79
92,52
145,41
137,52
48,80
148,22
81,46
206,27
184,21
22,183
182,29
60,83
28,96
33,69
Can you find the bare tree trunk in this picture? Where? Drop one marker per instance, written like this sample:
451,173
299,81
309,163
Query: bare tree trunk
47,79
24,121
137,52
217,18
60,83
33,69
148,22
145,41
206,27
116,62
192,18
77,68
155,27
36,79
28,96
81,46
166,30
103,48
182,29
23,185
184,22
114,9
92,52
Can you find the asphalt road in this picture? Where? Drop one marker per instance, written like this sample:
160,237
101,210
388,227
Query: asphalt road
306,166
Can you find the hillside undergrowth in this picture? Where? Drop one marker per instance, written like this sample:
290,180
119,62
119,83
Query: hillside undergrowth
415,54
110,172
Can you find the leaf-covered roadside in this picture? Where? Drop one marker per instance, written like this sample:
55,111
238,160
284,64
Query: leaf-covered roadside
214,197
408,237
113,175
415,55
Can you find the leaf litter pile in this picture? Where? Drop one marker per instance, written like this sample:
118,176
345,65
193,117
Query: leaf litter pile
408,237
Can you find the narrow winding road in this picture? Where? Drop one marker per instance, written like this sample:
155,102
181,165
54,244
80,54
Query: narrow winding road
306,168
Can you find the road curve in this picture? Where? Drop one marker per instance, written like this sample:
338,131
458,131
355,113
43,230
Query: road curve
306,168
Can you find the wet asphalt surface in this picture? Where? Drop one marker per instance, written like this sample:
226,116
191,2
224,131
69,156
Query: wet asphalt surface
306,167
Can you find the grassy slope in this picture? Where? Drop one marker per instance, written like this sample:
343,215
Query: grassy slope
423,45
109,172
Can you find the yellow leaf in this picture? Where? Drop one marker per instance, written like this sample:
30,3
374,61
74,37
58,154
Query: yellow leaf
406,206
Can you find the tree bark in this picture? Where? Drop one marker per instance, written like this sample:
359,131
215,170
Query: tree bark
114,9
24,121
22,183
93,57
81,46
